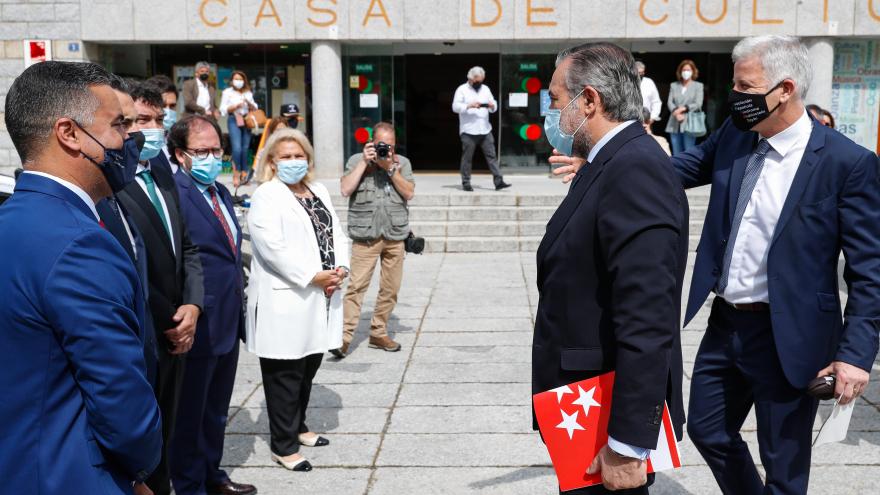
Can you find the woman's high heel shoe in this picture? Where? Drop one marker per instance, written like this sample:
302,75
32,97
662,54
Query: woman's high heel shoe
316,441
301,465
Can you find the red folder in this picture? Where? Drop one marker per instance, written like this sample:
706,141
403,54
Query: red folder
574,425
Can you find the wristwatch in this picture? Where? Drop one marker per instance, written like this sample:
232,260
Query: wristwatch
393,169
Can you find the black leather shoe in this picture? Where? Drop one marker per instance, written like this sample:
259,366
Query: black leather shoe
502,185
231,488
467,187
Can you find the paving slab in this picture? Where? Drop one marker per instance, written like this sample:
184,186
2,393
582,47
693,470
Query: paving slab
483,480
469,373
279,481
251,450
475,339
319,419
462,450
464,394
468,325
473,354
461,419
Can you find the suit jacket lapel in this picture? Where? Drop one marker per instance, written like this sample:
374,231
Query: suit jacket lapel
801,179
137,195
199,203
585,178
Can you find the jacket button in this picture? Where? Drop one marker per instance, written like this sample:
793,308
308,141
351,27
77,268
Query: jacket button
723,242
716,271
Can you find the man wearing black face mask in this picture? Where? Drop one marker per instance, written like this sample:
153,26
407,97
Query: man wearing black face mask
78,414
473,102
290,111
199,94
787,195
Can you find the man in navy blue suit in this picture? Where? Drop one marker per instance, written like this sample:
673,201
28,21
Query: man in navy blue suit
611,264
206,206
787,195
78,415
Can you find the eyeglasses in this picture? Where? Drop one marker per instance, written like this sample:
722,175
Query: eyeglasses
202,154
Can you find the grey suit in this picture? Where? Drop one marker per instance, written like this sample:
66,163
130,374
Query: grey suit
692,99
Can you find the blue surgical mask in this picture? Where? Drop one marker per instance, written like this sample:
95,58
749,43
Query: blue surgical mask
205,171
154,140
555,135
292,171
170,118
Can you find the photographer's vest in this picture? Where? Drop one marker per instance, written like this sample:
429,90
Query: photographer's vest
377,210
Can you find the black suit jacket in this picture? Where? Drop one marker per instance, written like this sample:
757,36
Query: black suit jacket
610,271
114,224
175,273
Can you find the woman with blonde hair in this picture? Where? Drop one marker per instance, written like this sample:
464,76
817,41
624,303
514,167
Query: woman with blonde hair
300,259
685,101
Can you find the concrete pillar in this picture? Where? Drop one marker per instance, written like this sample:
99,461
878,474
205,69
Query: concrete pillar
327,115
822,59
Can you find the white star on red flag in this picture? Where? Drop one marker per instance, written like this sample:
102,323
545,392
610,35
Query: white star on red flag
569,423
585,400
565,389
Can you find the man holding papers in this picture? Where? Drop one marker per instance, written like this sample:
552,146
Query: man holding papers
611,264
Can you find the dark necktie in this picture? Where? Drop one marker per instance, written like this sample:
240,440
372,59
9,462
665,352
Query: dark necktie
750,178
221,218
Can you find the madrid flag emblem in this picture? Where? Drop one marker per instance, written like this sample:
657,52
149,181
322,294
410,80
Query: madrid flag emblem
574,425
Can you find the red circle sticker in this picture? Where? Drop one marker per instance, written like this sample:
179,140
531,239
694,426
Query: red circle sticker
533,132
362,135
533,85
363,82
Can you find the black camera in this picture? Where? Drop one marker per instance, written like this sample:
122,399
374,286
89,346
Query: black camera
413,244
383,150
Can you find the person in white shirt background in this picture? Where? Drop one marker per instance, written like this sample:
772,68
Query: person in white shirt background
650,95
235,103
473,102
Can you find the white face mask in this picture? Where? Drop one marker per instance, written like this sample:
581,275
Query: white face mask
237,83
686,75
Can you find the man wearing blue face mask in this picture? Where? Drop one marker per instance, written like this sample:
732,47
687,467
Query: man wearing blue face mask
176,289
168,89
611,263
206,205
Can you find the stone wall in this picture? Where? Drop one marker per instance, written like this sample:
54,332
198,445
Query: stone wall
57,20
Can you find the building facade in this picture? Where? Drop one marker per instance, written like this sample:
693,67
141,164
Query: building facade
351,63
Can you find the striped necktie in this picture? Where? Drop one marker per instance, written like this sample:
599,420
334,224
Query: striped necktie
750,178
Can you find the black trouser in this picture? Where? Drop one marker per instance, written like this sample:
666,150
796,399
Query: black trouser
169,381
486,142
601,490
287,384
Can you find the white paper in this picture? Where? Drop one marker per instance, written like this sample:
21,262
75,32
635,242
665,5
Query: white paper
835,427
518,100
369,100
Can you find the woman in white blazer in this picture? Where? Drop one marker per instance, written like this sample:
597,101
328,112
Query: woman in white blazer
300,259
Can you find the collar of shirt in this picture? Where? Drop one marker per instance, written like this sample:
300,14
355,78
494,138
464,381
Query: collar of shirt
204,189
143,166
784,141
607,137
73,187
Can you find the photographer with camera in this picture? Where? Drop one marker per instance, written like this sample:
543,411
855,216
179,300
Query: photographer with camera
378,183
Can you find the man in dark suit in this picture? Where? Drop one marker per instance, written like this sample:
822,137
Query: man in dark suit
78,415
176,289
787,195
197,446
124,230
611,264
200,94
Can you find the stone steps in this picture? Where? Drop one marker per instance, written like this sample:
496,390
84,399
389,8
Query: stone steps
482,222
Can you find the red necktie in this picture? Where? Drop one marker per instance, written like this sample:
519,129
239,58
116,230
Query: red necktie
101,223
221,218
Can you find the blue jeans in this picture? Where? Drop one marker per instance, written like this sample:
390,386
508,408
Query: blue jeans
240,139
681,141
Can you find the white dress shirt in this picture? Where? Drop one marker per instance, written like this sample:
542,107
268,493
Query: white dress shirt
474,121
651,97
73,187
607,137
231,96
204,98
747,279
146,166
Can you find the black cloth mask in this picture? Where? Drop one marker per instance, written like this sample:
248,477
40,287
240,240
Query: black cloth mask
477,86
119,166
203,77
749,109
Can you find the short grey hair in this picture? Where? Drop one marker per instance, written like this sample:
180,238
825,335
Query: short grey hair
782,57
46,92
611,71
202,64
640,65
476,71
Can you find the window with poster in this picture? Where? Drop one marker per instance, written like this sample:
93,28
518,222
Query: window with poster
524,102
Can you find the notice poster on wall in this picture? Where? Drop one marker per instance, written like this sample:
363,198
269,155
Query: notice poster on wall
855,93
369,100
518,100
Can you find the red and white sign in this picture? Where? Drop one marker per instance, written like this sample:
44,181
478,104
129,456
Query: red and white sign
574,425
36,51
